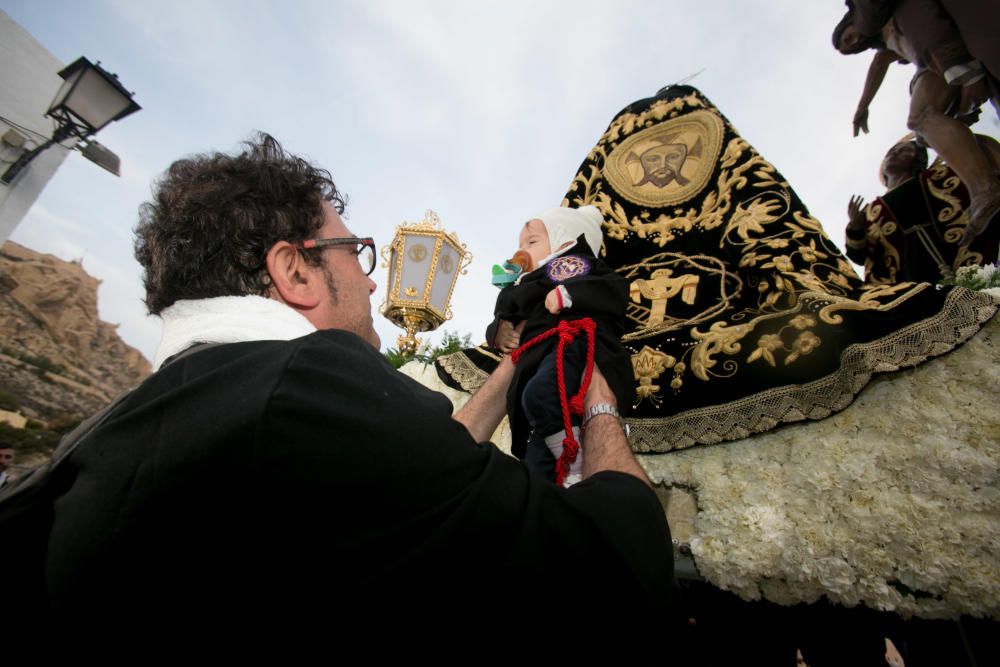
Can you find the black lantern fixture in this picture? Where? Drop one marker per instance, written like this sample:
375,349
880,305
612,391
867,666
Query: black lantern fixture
89,98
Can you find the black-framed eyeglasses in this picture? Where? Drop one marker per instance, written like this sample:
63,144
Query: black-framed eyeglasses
364,248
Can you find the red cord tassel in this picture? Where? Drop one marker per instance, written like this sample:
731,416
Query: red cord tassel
567,332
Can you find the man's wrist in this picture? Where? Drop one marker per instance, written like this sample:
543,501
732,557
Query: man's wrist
597,410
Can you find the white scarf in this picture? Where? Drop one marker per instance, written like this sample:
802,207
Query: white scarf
227,319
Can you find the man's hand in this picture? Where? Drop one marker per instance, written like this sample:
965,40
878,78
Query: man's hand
856,213
861,120
508,336
553,303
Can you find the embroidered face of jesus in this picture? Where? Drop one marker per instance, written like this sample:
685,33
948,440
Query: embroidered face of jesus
661,165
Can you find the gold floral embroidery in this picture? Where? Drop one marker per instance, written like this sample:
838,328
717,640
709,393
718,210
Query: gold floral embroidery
648,365
767,345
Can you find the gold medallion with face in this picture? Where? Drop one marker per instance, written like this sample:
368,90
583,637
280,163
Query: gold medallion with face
668,163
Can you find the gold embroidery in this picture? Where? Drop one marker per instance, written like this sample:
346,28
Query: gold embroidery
803,344
458,367
647,365
869,300
714,208
708,271
720,338
960,318
660,288
667,163
941,184
692,308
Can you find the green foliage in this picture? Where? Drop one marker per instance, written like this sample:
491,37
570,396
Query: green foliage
395,357
41,362
8,401
35,437
450,342
28,440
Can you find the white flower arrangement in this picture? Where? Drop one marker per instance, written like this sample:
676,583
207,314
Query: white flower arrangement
893,502
980,278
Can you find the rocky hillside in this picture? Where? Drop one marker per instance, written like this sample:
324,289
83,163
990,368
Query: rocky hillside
59,361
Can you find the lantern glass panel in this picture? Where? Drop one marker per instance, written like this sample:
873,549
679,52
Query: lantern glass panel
64,89
95,100
393,255
418,251
447,269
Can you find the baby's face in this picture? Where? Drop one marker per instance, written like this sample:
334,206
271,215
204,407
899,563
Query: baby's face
534,240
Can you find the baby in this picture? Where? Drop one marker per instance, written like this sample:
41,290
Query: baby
556,277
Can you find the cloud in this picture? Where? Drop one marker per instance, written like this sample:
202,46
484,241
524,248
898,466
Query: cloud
481,111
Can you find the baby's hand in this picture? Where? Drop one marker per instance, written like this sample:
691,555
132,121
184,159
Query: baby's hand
553,303
508,336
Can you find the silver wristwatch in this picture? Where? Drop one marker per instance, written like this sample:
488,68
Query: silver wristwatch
603,409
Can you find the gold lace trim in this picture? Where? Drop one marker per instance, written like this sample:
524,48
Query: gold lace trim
468,376
963,314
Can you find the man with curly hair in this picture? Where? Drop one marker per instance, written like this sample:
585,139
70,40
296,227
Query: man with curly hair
277,478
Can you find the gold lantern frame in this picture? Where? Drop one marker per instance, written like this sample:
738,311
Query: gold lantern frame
413,310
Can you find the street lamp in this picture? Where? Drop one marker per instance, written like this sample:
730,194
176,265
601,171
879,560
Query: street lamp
424,262
89,98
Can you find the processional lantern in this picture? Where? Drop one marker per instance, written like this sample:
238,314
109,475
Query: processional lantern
424,262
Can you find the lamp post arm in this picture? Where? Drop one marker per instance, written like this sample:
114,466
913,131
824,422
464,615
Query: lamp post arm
61,134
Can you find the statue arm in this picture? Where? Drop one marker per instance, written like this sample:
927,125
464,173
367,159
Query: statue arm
876,74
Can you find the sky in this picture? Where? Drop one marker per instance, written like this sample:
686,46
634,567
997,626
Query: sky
481,111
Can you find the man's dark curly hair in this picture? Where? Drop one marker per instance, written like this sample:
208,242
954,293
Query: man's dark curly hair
213,218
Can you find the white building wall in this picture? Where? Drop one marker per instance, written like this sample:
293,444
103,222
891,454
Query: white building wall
29,80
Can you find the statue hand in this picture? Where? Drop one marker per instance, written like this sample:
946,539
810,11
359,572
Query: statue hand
974,96
861,120
855,212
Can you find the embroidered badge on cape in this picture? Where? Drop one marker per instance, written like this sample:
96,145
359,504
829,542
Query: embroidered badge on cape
562,269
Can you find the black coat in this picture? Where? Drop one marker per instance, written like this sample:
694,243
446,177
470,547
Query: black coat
597,292
266,486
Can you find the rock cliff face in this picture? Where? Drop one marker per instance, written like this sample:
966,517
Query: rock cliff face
58,358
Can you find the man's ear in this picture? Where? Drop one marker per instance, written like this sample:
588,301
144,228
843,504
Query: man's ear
294,281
